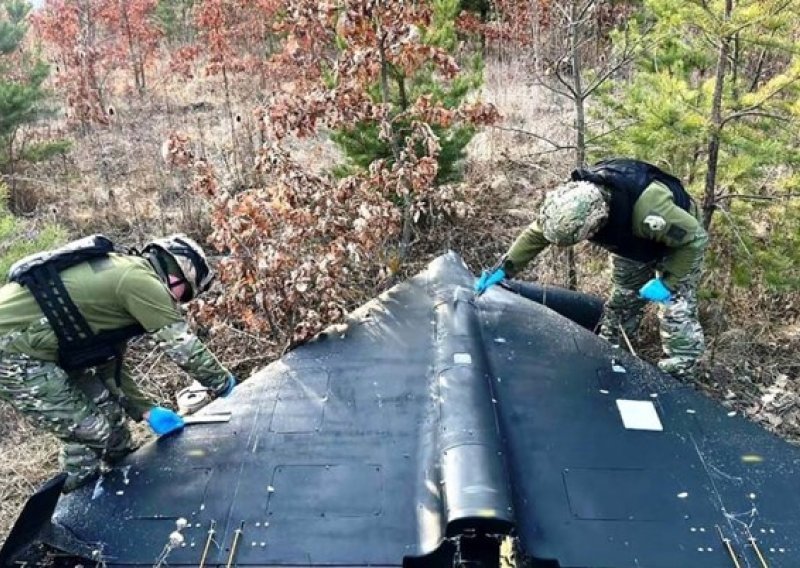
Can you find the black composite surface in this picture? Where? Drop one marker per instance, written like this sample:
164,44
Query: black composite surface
432,415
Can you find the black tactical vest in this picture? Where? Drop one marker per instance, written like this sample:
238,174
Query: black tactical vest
78,346
626,180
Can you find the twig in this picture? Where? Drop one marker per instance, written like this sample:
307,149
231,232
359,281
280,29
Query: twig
735,230
555,145
248,335
155,362
627,341
756,197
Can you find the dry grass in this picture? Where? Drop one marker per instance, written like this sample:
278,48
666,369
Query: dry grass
29,457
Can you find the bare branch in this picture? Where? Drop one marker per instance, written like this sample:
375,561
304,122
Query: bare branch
582,11
759,69
556,145
560,77
626,57
604,134
551,88
747,196
745,113
564,14
735,228
600,79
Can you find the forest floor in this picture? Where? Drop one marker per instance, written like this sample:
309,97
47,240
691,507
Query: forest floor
113,183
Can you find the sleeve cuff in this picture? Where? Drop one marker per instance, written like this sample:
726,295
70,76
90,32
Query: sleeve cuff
508,267
671,282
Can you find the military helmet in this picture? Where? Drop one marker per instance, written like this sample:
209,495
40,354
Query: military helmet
573,212
189,257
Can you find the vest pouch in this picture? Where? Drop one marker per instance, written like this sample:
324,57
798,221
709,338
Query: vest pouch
104,347
86,356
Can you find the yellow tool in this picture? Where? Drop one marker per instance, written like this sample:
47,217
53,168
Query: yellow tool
209,540
752,540
236,536
729,547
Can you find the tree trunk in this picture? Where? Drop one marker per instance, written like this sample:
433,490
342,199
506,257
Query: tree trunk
234,146
580,118
709,203
133,56
408,222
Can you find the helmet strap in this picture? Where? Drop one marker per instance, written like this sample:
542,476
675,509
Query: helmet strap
169,275
158,263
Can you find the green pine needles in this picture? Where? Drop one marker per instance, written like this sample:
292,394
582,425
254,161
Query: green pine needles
713,98
362,145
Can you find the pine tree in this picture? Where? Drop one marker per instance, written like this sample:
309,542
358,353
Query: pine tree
22,96
363,143
175,20
713,100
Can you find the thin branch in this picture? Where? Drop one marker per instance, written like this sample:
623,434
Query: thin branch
563,11
754,109
704,5
600,79
575,95
582,11
626,57
560,77
727,196
615,129
552,151
778,10
735,229
759,69
744,113
539,82
555,145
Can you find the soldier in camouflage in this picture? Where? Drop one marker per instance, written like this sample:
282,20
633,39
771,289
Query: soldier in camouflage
86,409
648,222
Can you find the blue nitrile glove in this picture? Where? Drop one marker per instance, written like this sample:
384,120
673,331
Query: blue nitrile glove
164,421
489,279
230,384
655,291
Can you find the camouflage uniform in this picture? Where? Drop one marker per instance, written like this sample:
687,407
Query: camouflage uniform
681,335
656,218
87,409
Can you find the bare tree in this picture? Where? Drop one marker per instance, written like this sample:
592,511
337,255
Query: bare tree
575,59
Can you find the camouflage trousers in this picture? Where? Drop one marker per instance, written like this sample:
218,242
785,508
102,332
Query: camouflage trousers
81,409
682,337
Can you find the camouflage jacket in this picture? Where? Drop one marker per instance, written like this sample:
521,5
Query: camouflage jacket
655,217
111,292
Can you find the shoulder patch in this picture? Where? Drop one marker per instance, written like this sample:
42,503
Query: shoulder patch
655,223
676,233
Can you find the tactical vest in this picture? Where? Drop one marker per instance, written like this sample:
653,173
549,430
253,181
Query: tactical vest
625,180
78,346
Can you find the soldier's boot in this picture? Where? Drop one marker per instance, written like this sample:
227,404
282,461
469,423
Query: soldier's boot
682,368
80,463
